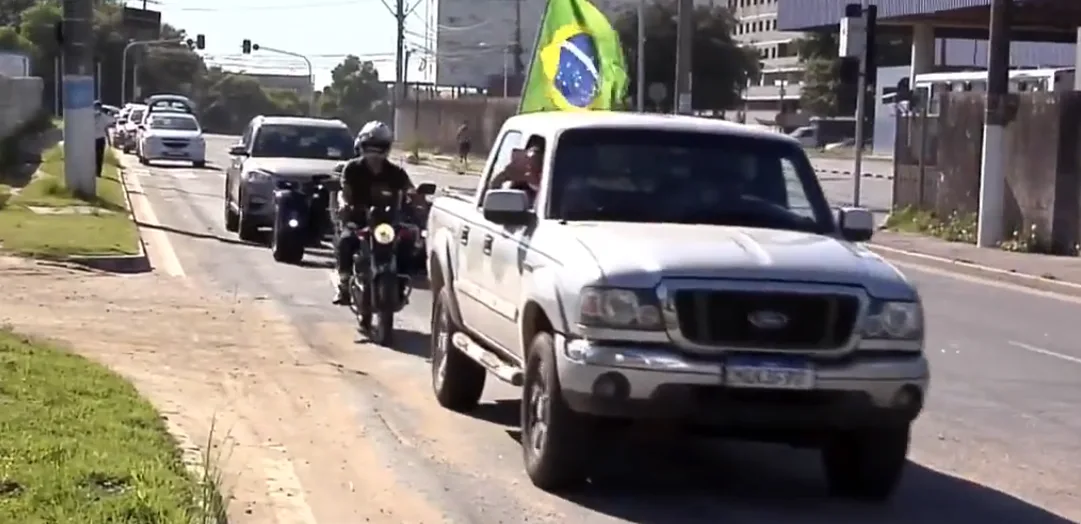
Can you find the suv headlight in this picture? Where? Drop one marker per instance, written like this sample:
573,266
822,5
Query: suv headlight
619,308
893,321
257,176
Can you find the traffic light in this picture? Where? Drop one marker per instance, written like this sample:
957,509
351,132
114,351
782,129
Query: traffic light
200,42
245,46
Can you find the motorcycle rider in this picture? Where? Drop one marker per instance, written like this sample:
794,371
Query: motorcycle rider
363,179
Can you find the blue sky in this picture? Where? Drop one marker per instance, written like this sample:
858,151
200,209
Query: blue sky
324,30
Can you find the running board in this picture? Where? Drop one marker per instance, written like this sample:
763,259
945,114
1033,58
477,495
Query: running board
495,365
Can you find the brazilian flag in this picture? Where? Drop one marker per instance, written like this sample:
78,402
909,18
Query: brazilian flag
577,61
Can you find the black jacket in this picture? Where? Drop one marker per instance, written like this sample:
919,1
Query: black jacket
361,186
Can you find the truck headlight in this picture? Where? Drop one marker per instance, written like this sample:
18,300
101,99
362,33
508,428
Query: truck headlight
893,321
619,308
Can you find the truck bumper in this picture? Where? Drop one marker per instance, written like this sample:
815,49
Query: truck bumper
870,389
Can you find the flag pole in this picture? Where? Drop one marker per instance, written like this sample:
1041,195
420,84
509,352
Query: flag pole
529,70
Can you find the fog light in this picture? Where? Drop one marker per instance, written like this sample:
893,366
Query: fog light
293,222
611,385
908,398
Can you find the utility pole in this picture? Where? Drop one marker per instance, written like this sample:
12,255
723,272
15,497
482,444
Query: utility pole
684,47
76,40
519,65
999,114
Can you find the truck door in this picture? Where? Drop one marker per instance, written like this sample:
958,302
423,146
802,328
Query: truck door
479,303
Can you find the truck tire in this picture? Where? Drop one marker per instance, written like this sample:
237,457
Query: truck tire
555,450
457,380
866,464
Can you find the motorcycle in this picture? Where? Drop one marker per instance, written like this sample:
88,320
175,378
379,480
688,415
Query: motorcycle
301,216
378,286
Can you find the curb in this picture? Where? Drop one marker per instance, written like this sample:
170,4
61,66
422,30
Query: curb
126,264
1048,283
849,173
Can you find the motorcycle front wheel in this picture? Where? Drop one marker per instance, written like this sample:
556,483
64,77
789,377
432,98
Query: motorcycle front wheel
386,301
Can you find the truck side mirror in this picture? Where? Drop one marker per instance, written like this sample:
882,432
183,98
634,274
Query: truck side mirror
507,207
426,188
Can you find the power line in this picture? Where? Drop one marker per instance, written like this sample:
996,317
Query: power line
283,7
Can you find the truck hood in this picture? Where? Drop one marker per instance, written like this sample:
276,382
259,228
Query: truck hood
292,167
628,252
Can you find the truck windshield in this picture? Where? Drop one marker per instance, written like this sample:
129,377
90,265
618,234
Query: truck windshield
651,175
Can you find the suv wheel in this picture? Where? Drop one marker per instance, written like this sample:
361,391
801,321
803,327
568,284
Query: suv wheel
556,441
866,464
457,381
248,231
232,218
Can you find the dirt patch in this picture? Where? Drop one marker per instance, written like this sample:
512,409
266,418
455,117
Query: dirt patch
291,447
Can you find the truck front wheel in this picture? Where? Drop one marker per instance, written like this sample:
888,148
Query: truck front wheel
457,381
866,464
556,441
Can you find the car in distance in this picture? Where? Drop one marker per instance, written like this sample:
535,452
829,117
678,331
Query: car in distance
274,149
171,136
677,270
129,128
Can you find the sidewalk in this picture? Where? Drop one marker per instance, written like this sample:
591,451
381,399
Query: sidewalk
1057,273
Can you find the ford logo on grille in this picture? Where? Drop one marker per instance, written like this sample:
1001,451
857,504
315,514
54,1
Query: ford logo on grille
766,319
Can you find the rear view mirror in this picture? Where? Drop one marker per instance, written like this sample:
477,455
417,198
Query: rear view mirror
856,223
238,150
509,207
426,188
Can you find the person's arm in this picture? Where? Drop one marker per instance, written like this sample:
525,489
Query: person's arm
502,177
405,183
345,196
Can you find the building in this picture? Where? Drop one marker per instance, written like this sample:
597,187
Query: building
300,84
781,70
474,39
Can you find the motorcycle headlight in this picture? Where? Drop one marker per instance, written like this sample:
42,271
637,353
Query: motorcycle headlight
383,233
619,308
893,321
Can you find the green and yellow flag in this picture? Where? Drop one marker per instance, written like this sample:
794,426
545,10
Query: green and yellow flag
577,62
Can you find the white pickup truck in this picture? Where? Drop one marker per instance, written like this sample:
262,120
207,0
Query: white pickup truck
681,270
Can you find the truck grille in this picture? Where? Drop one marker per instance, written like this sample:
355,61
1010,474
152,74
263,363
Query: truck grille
727,318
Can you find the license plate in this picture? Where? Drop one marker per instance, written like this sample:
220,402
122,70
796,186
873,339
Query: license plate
768,372
175,154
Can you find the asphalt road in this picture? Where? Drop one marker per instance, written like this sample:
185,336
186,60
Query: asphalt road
1000,440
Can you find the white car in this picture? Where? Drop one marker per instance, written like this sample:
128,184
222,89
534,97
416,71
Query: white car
128,129
171,136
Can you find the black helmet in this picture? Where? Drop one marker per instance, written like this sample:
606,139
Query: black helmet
374,135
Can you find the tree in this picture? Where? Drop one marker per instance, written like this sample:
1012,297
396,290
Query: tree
11,11
355,94
818,53
11,40
720,67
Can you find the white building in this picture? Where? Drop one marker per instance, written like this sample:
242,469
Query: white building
781,71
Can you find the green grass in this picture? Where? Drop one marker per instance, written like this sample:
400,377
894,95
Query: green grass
79,445
108,232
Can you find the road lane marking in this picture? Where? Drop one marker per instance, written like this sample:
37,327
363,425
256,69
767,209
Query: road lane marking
159,247
980,280
1045,352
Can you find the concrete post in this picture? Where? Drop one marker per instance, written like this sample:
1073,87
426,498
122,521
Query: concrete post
923,50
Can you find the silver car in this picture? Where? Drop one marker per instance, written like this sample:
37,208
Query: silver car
274,149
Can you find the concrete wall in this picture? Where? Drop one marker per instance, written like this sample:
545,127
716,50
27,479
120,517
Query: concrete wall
435,126
20,100
1043,165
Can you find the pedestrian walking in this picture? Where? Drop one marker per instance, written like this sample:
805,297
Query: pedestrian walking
102,122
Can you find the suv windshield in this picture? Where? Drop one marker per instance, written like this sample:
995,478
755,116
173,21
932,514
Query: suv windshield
297,141
177,123
651,175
